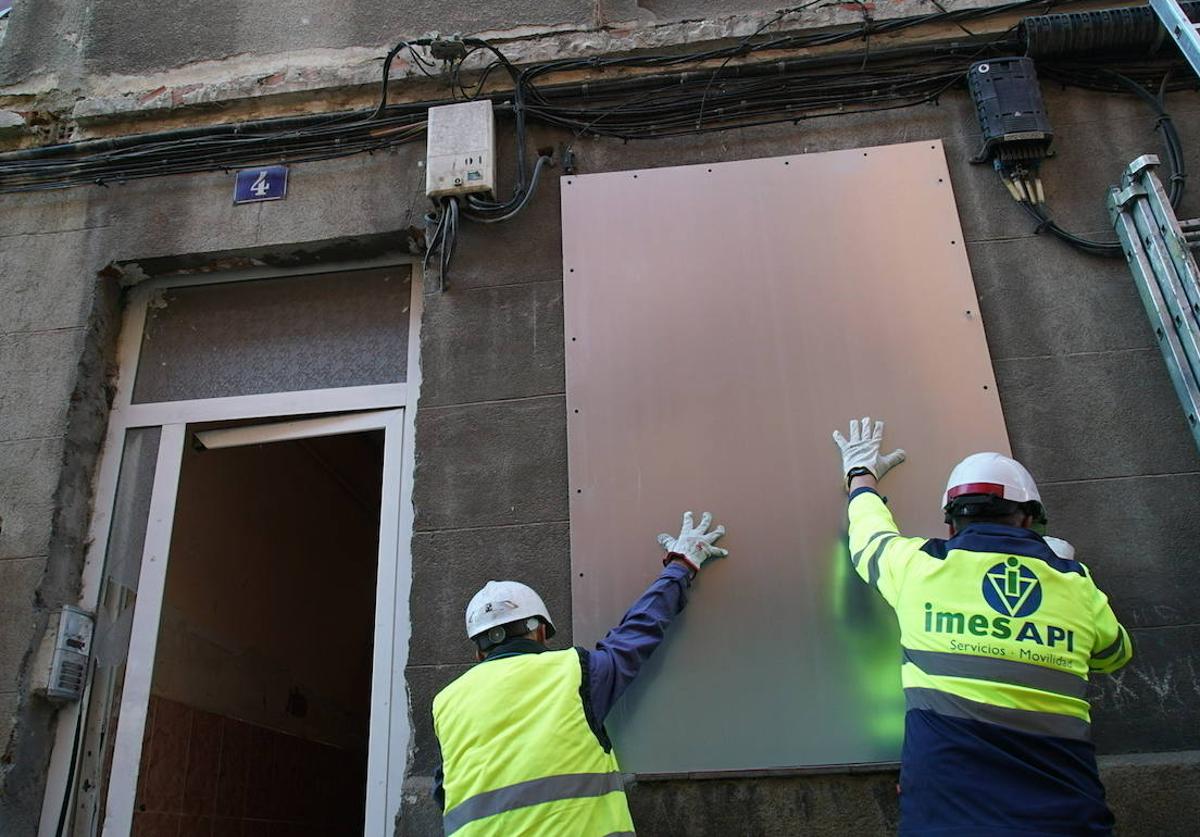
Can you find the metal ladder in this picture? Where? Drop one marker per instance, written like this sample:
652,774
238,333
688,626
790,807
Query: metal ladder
1158,246
1182,30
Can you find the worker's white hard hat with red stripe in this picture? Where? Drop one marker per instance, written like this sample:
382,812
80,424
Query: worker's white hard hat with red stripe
993,474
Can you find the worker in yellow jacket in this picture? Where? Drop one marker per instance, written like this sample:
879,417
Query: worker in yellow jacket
524,751
999,634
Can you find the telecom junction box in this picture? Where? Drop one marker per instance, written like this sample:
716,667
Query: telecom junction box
1012,117
460,156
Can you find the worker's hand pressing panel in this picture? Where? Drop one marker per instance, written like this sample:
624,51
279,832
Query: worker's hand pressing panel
694,545
861,451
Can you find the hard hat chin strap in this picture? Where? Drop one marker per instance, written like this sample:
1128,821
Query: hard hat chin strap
989,506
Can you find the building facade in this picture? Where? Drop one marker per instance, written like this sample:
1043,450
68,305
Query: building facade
422,419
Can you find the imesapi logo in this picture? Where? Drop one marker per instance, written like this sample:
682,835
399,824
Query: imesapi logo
1014,591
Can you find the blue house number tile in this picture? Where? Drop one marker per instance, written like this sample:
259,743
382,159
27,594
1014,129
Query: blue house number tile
267,183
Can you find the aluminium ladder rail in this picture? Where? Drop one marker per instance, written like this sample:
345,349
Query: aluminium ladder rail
1156,246
1181,29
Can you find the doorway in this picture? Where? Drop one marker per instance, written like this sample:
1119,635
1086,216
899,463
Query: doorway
259,711
300,387
257,696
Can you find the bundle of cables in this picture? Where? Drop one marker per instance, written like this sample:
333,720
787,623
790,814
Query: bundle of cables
1110,80
691,95
647,96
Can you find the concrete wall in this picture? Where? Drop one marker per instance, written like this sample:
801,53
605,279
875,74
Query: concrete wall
56,347
1087,401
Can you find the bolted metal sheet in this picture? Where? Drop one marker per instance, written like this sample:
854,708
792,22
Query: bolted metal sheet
721,321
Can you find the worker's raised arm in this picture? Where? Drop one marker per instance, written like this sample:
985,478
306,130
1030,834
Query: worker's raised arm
1113,648
617,659
878,551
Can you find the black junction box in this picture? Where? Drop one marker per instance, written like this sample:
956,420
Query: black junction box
1012,116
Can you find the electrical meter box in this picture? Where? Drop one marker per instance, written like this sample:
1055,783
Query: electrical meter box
63,660
461,150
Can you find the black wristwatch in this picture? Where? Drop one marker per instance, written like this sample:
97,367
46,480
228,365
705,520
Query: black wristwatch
860,471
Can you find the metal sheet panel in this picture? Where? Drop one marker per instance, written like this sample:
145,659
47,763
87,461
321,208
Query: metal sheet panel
721,321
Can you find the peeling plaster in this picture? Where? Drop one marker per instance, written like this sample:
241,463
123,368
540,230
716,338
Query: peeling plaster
259,77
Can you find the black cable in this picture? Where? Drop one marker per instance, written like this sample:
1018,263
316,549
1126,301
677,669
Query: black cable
743,47
671,102
444,217
387,69
1174,147
480,218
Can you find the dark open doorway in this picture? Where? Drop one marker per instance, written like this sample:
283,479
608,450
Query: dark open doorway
260,710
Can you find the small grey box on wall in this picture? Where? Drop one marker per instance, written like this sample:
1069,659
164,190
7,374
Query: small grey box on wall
63,659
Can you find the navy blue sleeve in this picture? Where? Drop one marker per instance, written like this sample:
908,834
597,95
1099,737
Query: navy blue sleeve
863,489
617,658
439,789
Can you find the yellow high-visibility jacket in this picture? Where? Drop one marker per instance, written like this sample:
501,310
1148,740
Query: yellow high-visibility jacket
999,635
519,756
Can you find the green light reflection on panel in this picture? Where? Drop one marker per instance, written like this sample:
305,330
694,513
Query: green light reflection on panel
865,630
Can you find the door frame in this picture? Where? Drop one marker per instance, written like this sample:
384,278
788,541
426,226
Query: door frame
385,769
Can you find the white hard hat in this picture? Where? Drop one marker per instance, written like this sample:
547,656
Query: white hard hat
501,602
991,473
1061,548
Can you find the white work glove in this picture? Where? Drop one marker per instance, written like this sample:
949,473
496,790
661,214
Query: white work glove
861,450
695,543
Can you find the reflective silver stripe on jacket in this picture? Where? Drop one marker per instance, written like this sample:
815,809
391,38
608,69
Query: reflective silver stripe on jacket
873,561
857,558
1116,646
996,670
533,792
1021,720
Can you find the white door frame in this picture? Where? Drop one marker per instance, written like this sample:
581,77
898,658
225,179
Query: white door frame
385,769
139,670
